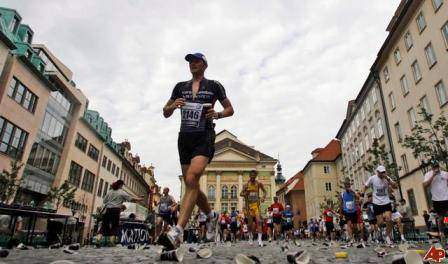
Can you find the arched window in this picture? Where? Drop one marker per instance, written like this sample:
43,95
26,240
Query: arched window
225,192
211,192
233,192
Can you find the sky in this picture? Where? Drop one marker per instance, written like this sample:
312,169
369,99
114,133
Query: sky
288,67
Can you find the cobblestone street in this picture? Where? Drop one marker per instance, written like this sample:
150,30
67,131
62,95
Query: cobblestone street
272,253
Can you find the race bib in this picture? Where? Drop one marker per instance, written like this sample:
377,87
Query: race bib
381,191
349,205
191,114
223,222
288,220
269,220
275,210
253,197
163,208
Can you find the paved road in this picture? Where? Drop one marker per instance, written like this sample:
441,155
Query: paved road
271,253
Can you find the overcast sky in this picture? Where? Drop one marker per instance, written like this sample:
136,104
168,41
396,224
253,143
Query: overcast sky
289,67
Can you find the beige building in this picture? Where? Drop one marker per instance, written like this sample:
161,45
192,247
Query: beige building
413,68
224,177
321,176
365,121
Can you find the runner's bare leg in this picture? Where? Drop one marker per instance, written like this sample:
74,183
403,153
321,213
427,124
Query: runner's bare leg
202,201
191,179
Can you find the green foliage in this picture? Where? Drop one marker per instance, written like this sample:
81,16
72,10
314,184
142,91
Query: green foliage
428,139
333,203
380,156
9,182
63,194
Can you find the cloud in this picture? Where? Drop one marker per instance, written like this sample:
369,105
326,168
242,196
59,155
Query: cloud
289,67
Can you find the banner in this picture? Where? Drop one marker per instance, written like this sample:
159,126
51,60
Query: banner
134,233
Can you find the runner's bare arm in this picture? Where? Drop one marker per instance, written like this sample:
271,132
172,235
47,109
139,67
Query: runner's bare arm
171,105
228,110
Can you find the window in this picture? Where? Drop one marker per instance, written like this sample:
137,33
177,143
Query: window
445,33
233,206
117,172
397,56
326,169
398,131
100,188
13,25
74,175
81,142
27,37
424,103
328,186
44,159
404,85
430,55
109,164
224,207
412,202
392,102
234,192
106,188
372,133
408,42
93,152
12,139
224,192
441,93
367,141
87,181
104,162
22,95
412,117
374,95
404,162
62,101
386,74
54,129
436,4
416,71
113,168
379,124
421,23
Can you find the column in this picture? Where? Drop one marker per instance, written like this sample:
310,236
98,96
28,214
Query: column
218,191
240,188
273,187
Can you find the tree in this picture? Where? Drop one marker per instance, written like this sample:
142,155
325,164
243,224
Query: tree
428,139
9,182
380,156
63,194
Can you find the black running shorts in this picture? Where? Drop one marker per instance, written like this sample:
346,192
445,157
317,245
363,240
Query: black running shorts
381,209
192,144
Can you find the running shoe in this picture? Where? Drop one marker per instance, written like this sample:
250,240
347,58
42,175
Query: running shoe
174,237
260,243
388,241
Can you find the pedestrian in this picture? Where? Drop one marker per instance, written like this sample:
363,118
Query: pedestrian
288,223
437,180
380,184
426,218
112,207
196,99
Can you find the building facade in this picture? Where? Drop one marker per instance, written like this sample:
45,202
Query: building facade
292,192
412,67
365,121
229,169
321,176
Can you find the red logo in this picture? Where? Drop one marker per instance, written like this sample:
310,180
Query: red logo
434,254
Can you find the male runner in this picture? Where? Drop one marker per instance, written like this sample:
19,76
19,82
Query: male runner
166,206
288,224
348,210
380,183
251,193
277,213
371,218
202,219
437,180
328,215
196,99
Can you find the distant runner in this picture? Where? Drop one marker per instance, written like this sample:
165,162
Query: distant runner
348,210
251,193
277,214
195,99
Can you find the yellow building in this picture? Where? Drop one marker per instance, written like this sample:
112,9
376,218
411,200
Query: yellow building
321,177
224,177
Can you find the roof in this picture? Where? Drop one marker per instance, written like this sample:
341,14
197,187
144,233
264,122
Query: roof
296,180
330,152
230,143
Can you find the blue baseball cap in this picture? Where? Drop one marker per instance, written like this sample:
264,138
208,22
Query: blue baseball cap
197,55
